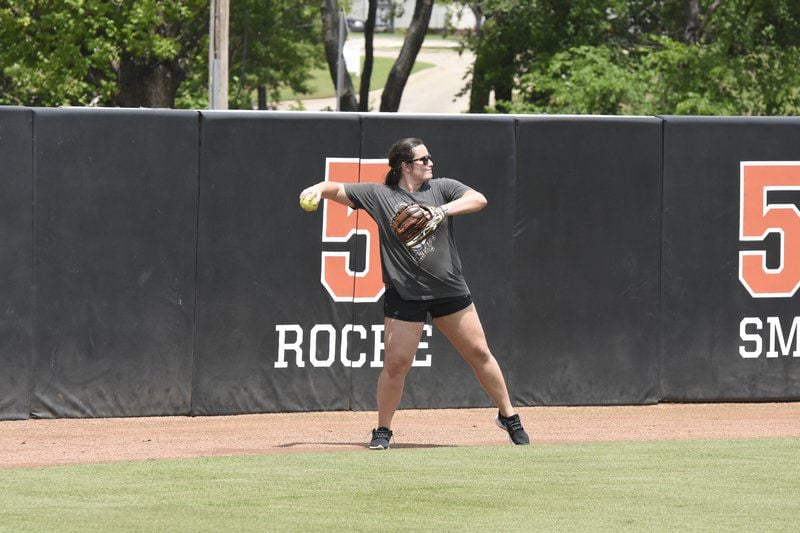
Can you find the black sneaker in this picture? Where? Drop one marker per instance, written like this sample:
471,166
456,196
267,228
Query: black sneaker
514,428
380,439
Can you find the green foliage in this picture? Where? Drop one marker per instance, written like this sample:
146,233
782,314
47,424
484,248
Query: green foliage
71,52
319,82
57,53
738,57
273,45
581,80
68,52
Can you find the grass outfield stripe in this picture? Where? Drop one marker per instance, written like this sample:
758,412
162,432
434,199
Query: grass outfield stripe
719,485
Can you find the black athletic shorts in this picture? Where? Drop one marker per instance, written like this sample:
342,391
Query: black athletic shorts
417,310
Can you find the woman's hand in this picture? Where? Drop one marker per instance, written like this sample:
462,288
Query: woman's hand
328,190
313,193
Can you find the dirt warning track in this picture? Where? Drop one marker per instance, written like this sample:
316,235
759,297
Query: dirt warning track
28,443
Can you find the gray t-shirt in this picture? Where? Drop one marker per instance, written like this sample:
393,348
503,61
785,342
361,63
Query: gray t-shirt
431,269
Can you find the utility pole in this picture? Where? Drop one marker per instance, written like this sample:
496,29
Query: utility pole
218,55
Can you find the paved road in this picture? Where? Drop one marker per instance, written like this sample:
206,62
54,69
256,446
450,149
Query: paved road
432,90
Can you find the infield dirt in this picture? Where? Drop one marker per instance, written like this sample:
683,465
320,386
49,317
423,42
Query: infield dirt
28,443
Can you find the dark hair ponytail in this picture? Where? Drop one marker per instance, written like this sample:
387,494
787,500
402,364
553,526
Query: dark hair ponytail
401,152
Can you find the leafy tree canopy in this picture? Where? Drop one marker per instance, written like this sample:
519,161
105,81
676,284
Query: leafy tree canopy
272,45
148,52
732,57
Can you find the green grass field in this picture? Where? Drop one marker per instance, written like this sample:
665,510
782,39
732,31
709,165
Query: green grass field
321,85
744,485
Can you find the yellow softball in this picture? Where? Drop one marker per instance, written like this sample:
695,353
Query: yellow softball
308,203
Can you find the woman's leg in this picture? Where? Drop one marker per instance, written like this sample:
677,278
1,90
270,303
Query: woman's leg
464,331
400,342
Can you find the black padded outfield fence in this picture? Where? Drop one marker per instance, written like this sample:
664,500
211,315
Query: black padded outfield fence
157,263
730,328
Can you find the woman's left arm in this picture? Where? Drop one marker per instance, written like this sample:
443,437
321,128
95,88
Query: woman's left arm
469,202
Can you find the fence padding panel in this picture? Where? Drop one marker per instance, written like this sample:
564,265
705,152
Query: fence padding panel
156,262
116,218
586,261
726,338
16,248
268,335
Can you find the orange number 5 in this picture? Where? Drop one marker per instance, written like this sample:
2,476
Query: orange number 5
757,219
340,223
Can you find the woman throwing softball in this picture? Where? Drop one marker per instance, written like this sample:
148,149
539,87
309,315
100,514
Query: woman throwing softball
422,275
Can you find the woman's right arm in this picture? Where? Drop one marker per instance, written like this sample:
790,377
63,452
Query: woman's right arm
328,190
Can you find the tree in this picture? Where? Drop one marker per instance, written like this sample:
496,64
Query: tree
57,54
516,35
398,75
330,37
273,44
400,71
640,56
91,52
157,45
366,73
148,53
738,57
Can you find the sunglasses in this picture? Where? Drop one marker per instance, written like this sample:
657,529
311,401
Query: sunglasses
425,159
